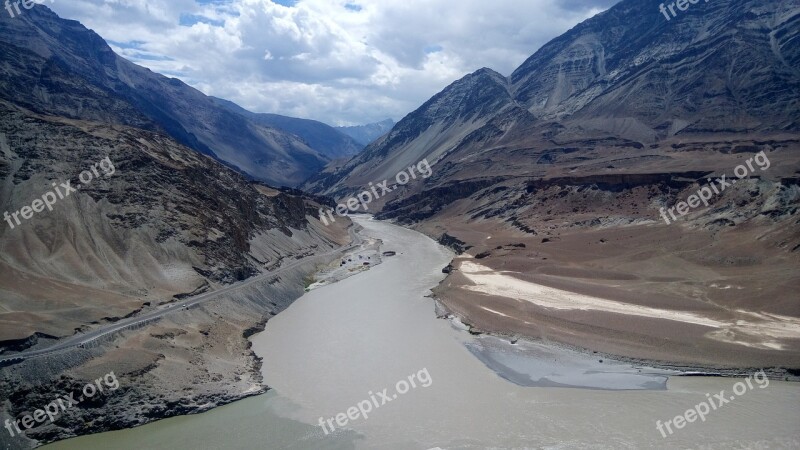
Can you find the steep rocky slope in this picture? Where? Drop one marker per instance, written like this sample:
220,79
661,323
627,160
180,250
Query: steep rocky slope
167,221
429,132
557,175
159,222
719,66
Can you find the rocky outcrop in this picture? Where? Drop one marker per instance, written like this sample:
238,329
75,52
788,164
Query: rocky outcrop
622,181
455,244
19,345
422,206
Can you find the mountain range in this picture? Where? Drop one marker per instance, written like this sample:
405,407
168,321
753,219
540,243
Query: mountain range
59,67
560,173
625,105
187,209
625,75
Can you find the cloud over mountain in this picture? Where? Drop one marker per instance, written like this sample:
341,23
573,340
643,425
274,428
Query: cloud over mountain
341,62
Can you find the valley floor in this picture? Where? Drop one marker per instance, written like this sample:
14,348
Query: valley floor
337,344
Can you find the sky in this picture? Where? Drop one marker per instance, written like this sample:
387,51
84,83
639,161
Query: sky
343,62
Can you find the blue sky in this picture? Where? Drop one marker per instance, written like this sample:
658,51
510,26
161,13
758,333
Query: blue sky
343,62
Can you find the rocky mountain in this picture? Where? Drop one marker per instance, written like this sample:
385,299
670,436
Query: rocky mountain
57,66
138,221
584,144
323,138
633,73
166,221
627,74
115,204
365,134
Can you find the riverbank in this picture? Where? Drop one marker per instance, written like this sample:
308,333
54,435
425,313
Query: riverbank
514,342
188,362
365,257
612,291
570,357
481,315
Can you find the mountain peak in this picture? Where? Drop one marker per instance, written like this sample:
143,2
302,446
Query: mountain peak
477,93
488,72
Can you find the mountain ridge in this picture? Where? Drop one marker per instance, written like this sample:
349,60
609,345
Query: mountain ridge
79,76
557,174
327,140
560,110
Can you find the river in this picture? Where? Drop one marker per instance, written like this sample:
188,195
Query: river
338,347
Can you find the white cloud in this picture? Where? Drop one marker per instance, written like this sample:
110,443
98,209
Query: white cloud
339,61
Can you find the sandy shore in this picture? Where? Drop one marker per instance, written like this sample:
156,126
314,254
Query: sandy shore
506,303
757,330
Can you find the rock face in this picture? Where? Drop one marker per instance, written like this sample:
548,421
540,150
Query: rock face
585,142
56,66
720,66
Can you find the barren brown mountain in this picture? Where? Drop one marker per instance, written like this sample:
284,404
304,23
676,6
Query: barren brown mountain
552,181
